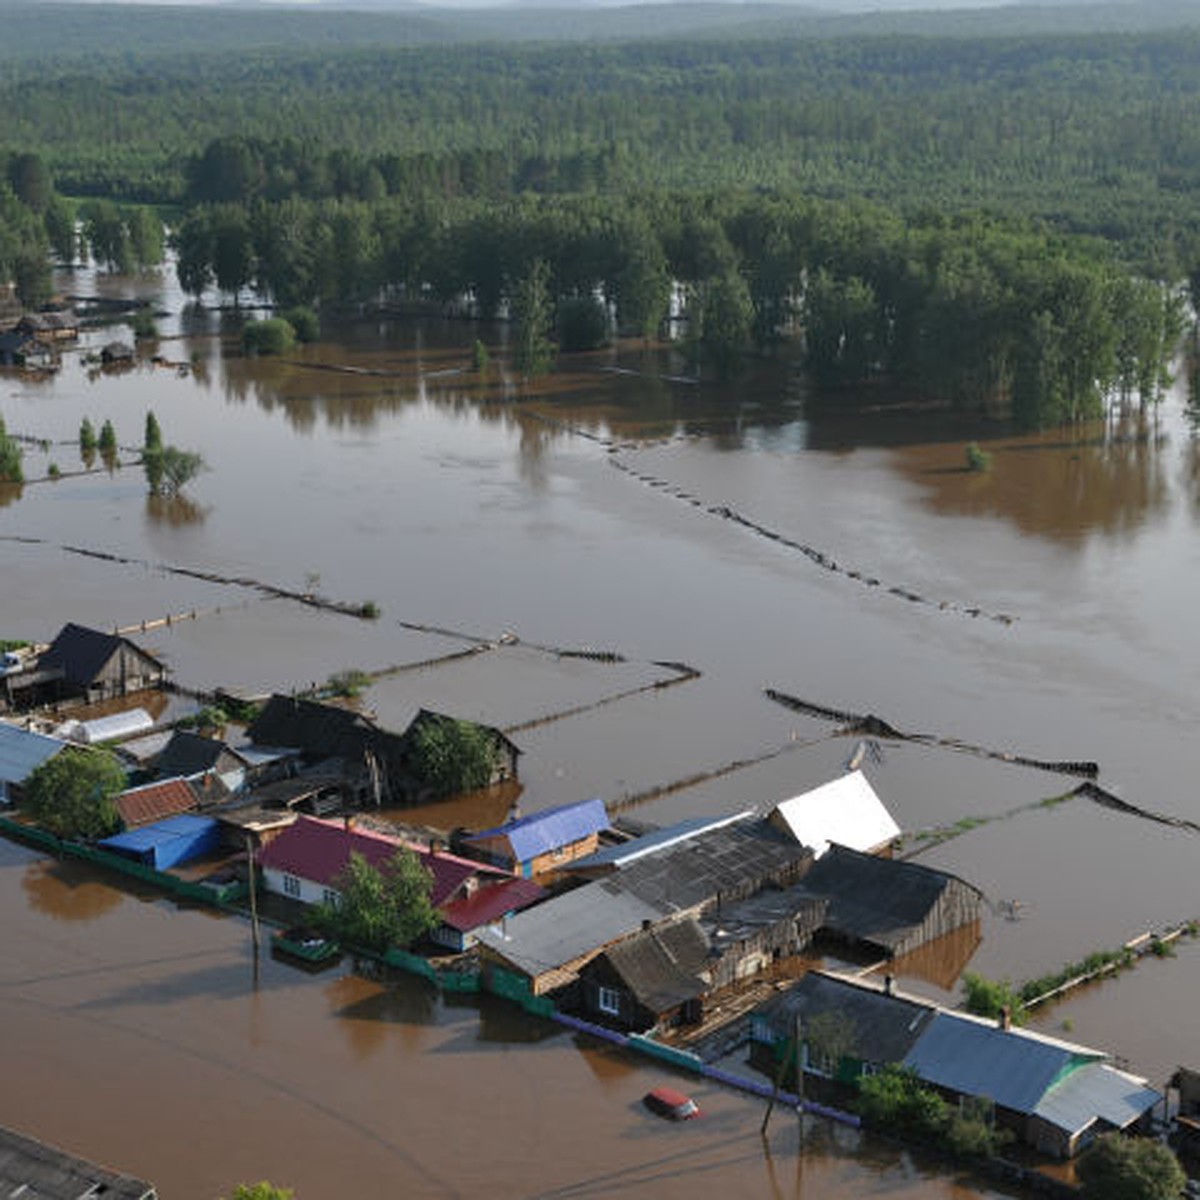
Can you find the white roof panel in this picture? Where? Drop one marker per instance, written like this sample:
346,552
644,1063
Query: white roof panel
845,810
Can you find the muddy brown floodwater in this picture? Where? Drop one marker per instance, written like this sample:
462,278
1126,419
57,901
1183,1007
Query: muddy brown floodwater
1040,609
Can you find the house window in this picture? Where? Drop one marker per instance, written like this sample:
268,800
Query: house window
291,886
820,1062
331,897
609,1001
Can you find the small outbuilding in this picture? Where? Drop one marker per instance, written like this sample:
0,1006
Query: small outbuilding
170,843
544,841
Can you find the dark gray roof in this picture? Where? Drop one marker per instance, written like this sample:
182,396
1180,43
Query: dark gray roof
733,924
734,860
871,899
880,1028
190,753
82,653
317,729
662,966
31,1168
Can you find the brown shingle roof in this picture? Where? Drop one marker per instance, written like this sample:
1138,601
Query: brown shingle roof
154,801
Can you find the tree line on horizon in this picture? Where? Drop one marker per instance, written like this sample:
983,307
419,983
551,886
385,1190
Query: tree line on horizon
996,224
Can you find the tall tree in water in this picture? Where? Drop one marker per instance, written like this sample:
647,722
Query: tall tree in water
533,351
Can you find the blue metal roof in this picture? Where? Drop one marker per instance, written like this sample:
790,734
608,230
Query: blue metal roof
149,836
551,829
1015,1068
1097,1092
22,752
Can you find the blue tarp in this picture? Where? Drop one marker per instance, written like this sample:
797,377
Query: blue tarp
168,843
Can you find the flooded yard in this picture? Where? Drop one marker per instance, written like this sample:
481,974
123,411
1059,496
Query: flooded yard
631,561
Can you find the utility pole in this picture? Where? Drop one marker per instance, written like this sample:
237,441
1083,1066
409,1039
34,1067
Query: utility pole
253,894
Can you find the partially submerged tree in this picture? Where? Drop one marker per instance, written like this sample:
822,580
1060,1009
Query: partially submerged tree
261,1191
993,998
453,755
1117,1167
72,793
10,458
272,336
380,907
168,469
533,349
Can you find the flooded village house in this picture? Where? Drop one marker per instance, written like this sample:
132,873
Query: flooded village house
84,665
1053,1095
378,765
304,862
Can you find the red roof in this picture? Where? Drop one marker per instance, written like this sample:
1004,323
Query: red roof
154,801
491,902
319,851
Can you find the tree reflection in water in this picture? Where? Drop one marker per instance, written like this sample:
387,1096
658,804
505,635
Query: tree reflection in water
67,891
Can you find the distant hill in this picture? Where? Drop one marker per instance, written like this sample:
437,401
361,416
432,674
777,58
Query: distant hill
64,30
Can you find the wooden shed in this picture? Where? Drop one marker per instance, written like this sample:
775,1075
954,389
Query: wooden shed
885,906
98,666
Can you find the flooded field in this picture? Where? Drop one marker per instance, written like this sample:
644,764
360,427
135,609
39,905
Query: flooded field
708,544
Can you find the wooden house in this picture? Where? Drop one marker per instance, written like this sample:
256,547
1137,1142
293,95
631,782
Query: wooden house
49,326
18,349
709,872
95,666
372,760
664,974
885,907
653,979
542,842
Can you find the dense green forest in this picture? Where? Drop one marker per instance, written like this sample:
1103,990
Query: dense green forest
981,217
1094,133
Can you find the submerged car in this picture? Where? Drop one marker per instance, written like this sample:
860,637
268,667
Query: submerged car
673,1105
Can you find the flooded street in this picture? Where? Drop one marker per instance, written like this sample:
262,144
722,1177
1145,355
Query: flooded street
1040,609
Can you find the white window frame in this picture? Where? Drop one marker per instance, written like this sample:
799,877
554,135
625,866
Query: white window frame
291,886
608,1000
